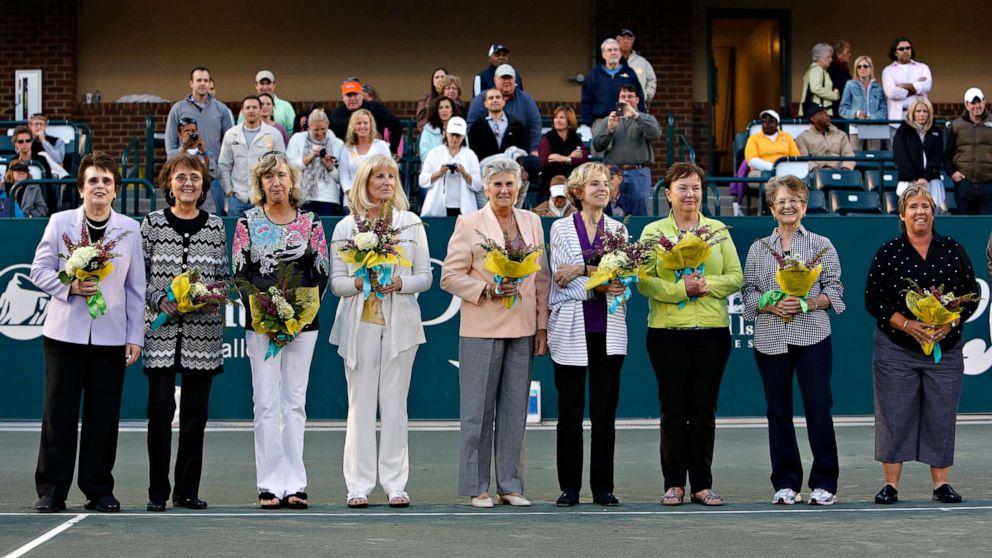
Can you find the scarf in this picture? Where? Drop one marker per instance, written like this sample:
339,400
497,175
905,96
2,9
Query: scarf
315,173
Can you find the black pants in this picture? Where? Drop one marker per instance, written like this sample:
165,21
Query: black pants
812,366
94,375
192,421
604,394
688,364
973,198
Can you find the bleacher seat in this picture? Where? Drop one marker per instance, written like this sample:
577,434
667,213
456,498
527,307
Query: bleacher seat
881,181
817,202
798,169
837,179
7,147
952,204
948,184
884,158
844,202
891,202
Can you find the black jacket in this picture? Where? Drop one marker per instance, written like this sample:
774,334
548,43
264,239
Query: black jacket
483,141
908,152
384,120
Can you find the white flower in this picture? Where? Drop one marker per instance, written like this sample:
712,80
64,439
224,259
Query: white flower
198,290
285,309
614,261
366,240
80,258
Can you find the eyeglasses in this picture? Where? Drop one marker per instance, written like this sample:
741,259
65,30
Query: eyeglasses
788,202
863,66
183,179
904,48
23,141
270,154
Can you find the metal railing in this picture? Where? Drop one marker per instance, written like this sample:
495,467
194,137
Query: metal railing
142,186
677,143
710,188
81,145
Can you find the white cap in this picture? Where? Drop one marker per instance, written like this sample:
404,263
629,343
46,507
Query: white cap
264,74
558,191
457,125
970,95
505,70
771,113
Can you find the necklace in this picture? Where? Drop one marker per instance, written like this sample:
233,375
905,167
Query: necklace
509,228
95,227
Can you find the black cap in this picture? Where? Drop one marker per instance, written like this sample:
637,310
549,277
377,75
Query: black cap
496,47
625,32
814,110
20,166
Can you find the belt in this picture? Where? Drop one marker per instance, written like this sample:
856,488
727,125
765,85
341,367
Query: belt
631,167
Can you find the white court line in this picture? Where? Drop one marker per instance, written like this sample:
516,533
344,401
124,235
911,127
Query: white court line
46,537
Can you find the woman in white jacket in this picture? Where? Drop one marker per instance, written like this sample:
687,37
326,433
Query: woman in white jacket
450,174
378,338
314,152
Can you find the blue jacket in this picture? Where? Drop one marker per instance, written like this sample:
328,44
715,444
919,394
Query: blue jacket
853,100
521,106
600,92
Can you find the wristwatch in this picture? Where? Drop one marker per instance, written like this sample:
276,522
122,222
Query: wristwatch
489,295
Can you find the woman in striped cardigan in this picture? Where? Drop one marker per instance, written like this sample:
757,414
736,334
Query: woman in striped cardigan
582,336
177,239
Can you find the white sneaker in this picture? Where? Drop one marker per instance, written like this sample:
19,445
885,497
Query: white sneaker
821,497
786,497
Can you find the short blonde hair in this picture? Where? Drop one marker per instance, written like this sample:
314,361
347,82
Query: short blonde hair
575,188
912,111
351,136
913,191
358,196
864,58
269,163
795,187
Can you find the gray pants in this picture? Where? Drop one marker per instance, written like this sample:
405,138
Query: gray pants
916,403
494,382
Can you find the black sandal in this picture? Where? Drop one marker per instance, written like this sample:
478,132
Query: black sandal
300,504
262,496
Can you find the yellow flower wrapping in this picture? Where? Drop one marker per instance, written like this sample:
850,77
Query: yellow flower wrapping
372,259
689,252
180,289
498,264
797,281
599,277
928,309
307,296
99,274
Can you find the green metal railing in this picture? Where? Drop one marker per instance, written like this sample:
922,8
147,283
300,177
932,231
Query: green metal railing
142,186
709,190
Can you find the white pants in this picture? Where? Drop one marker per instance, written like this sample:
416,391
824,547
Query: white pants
279,393
377,379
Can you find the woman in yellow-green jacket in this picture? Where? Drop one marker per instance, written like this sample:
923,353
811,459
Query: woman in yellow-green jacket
688,337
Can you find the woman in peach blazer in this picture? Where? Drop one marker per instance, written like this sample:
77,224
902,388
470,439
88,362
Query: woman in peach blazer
497,345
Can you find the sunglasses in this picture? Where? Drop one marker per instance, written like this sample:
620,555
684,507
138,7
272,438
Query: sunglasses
186,121
863,66
23,141
270,154
904,48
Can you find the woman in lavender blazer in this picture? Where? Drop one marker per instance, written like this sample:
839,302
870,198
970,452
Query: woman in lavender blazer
85,357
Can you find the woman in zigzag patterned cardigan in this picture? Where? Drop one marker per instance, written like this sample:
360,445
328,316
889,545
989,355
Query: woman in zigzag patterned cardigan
177,239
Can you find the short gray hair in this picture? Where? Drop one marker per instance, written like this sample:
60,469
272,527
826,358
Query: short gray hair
318,115
820,49
500,165
602,46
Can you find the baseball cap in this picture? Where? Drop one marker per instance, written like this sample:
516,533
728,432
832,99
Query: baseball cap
505,70
558,191
771,113
814,110
496,47
20,166
264,74
969,95
625,33
351,87
457,125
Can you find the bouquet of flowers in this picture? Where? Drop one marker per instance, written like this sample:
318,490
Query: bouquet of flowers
686,254
505,261
375,246
619,259
191,294
794,277
935,307
89,259
282,310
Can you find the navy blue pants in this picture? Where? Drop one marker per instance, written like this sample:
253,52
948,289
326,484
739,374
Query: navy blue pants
811,365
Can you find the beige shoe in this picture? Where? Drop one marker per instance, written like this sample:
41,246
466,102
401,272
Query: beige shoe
514,500
486,502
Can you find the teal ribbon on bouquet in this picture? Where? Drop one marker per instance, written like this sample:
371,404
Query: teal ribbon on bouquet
164,318
627,281
680,273
498,279
275,347
385,273
937,352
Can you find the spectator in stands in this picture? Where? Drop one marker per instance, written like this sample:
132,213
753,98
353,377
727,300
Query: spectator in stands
212,89
918,149
213,120
689,347
561,148
644,69
451,87
442,110
450,174
21,201
863,98
192,144
282,112
242,147
268,104
301,119
387,125
840,67
602,85
904,79
516,103
378,338
497,342
824,139
314,153
52,145
499,54
361,140
369,93
82,348
625,139
587,335
770,144
178,239
272,234
917,395
427,101
501,133
793,340
969,155
818,88
613,209
558,204
23,140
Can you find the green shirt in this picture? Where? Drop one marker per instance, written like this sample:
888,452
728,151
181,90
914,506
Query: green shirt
723,277
282,113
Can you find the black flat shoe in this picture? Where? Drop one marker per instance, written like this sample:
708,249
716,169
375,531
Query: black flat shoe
155,506
301,502
189,503
104,504
946,495
49,504
888,495
606,499
567,499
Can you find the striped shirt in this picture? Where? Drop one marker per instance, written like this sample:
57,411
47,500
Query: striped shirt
772,335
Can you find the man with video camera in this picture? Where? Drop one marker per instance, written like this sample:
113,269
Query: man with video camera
624,137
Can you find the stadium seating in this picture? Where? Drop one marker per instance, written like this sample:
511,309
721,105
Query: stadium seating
828,180
844,202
